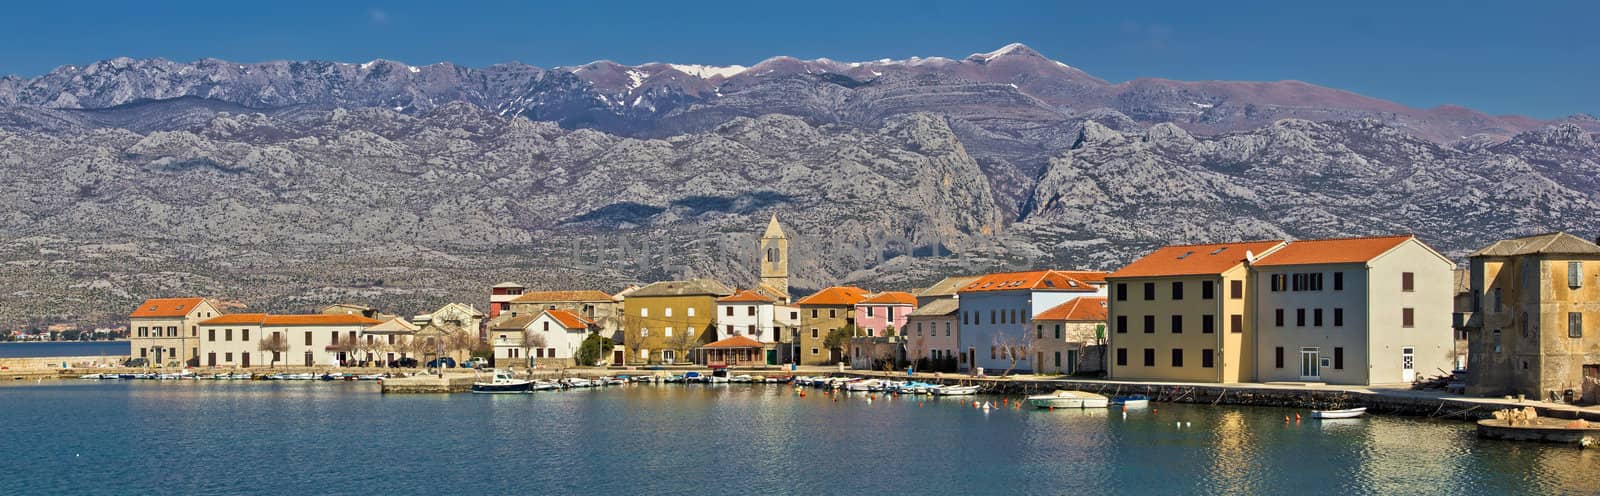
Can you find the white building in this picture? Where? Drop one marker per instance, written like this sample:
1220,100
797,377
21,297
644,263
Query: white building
556,336
748,313
996,313
320,340
1353,311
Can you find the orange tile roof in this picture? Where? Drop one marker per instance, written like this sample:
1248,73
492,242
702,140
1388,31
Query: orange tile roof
891,298
746,295
1328,251
1037,279
1194,260
236,319
1082,308
577,295
165,307
1088,276
837,295
569,320
318,319
739,341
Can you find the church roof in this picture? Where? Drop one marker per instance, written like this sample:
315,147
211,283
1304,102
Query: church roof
773,229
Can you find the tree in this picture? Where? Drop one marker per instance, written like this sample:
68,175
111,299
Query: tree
275,344
1013,348
368,348
460,341
531,340
593,349
684,342
839,339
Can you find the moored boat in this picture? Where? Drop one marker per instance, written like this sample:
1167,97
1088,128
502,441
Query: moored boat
501,383
1132,401
1339,414
1069,399
955,390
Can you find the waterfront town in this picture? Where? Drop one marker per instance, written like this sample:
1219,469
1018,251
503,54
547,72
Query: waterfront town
1515,320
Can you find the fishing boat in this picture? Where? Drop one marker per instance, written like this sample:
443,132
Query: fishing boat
1131,401
955,390
544,385
615,381
867,385
1063,398
502,383
576,382
370,377
1339,414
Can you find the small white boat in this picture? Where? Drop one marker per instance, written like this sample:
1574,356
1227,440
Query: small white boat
545,385
239,376
370,377
1339,414
1134,401
1069,399
739,378
716,380
955,390
867,385
577,382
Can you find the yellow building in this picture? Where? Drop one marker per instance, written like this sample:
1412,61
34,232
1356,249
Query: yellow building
166,331
824,312
1535,306
1182,313
664,321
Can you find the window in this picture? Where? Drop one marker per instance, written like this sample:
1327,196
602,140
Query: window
1574,275
1149,357
1177,324
1280,282
244,334
813,333
1149,324
991,352
919,328
1122,291
1338,317
1408,318
730,329
644,332
308,338
1039,331
730,311
1338,357
227,357
1177,357
1208,290
1236,289
1316,317
645,312
211,334
143,332
869,311
1574,325
1122,324
1122,357
813,351
750,310
1338,281
333,337
1208,358
1236,323
227,334
1058,331
689,311
1408,281
666,311
1279,317
1495,295
1277,357
1299,317
667,331
1496,340
1177,290
992,320
946,328
813,313
1149,291
870,332
1208,324
833,313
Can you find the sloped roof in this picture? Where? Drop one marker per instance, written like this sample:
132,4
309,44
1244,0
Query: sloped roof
773,229
1331,251
395,324
941,306
890,298
236,319
516,323
165,307
562,296
692,287
1080,309
569,320
947,286
319,319
739,341
1040,280
506,285
1194,260
746,296
836,295
1088,276
1544,244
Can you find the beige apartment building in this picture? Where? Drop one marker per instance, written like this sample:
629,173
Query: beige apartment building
165,331
1070,338
822,313
1183,313
237,340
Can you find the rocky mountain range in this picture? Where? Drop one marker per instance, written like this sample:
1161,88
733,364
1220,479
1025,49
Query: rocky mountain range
284,185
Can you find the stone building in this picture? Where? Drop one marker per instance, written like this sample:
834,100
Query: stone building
1070,338
1531,329
166,331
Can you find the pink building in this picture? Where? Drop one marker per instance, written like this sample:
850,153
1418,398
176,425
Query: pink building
882,311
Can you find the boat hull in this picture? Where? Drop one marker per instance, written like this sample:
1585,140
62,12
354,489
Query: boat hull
1338,414
482,388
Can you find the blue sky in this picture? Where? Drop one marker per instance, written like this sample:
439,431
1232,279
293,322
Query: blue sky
1541,60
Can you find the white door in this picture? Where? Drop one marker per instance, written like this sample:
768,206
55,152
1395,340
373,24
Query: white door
667,356
1310,365
1408,364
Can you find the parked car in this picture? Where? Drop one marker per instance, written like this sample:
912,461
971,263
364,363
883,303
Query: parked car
404,362
476,363
136,362
446,362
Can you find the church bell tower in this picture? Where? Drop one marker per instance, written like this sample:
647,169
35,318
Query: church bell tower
775,258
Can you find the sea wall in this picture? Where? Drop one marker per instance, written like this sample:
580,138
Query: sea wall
82,362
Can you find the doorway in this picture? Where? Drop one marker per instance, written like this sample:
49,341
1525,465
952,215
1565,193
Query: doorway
245,360
1591,384
1408,364
1310,364
616,357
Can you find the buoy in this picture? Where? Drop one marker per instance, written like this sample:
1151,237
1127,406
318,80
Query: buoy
1124,415
1052,408
1124,408
1188,424
1297,417
919,404
1285,419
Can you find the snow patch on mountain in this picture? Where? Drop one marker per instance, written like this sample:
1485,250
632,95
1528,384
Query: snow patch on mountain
709,71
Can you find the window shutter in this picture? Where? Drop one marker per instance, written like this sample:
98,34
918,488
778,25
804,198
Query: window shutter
1574,324
1574,275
